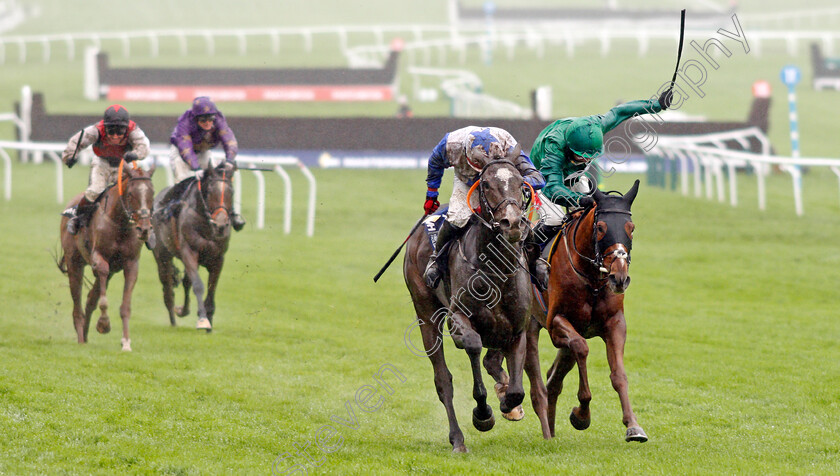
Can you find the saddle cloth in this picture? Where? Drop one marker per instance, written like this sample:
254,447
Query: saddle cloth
433,222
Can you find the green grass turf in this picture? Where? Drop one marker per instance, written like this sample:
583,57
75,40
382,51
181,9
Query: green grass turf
732,347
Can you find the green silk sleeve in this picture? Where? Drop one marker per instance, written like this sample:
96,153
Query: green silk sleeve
622,112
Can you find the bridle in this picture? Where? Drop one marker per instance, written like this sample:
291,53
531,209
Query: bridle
598,261
210,213
133,215
484,203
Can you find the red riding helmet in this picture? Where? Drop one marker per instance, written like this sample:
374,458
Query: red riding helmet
116,115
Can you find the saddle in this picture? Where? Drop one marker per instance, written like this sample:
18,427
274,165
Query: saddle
550,246
70,212
170,204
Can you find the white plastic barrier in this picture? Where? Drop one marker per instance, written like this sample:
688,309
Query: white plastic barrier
712,159
159,157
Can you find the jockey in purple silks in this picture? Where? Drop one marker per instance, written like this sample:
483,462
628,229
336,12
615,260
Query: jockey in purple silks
200,129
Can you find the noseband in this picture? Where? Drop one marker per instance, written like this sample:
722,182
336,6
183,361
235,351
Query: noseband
484,204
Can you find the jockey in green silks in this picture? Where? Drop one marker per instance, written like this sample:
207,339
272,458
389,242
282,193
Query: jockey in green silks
562,152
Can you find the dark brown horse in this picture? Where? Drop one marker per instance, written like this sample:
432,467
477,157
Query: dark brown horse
589,274
111,242
196,231
485,298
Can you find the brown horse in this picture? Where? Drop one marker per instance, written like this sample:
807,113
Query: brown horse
197,231
589,274
485,298
111,242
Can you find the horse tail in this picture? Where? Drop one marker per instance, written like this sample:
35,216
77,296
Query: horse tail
59,261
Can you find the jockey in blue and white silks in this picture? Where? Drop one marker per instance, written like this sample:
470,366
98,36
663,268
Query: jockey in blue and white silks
467,150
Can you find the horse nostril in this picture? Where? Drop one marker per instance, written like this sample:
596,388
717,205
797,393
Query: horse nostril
504,223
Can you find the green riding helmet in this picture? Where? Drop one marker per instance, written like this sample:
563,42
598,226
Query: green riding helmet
585,138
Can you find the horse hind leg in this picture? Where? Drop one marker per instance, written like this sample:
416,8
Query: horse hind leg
493,365
184,310
561,366
539,398
166,274
75,275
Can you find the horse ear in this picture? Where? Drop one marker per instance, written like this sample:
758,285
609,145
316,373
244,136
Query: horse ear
153,166
597,194
631,194
513,153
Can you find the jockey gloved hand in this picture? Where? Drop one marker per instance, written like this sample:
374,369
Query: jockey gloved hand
199,174
666,98
586,201
130,156
431,204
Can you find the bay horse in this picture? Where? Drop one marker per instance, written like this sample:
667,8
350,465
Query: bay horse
109,243
585,296
485,297
197,232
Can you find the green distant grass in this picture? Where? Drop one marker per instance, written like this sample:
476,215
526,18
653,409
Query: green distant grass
582,84
731,353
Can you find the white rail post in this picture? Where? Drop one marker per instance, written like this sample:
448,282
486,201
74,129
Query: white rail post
310,213
260,199
287,200
7,175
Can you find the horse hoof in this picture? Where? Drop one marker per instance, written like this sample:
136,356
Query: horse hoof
460,449
635,433
126,344
204,323
577,423
515,415
103,327
483,425
181,311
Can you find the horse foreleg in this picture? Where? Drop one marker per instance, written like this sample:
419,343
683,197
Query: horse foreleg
614,339
515,357
564,335
102,270
213,274
130,271
92,302
493,365
190,260
482,413
539,398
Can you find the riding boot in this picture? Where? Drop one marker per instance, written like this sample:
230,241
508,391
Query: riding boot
537,266
434,270
237,221
79,219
